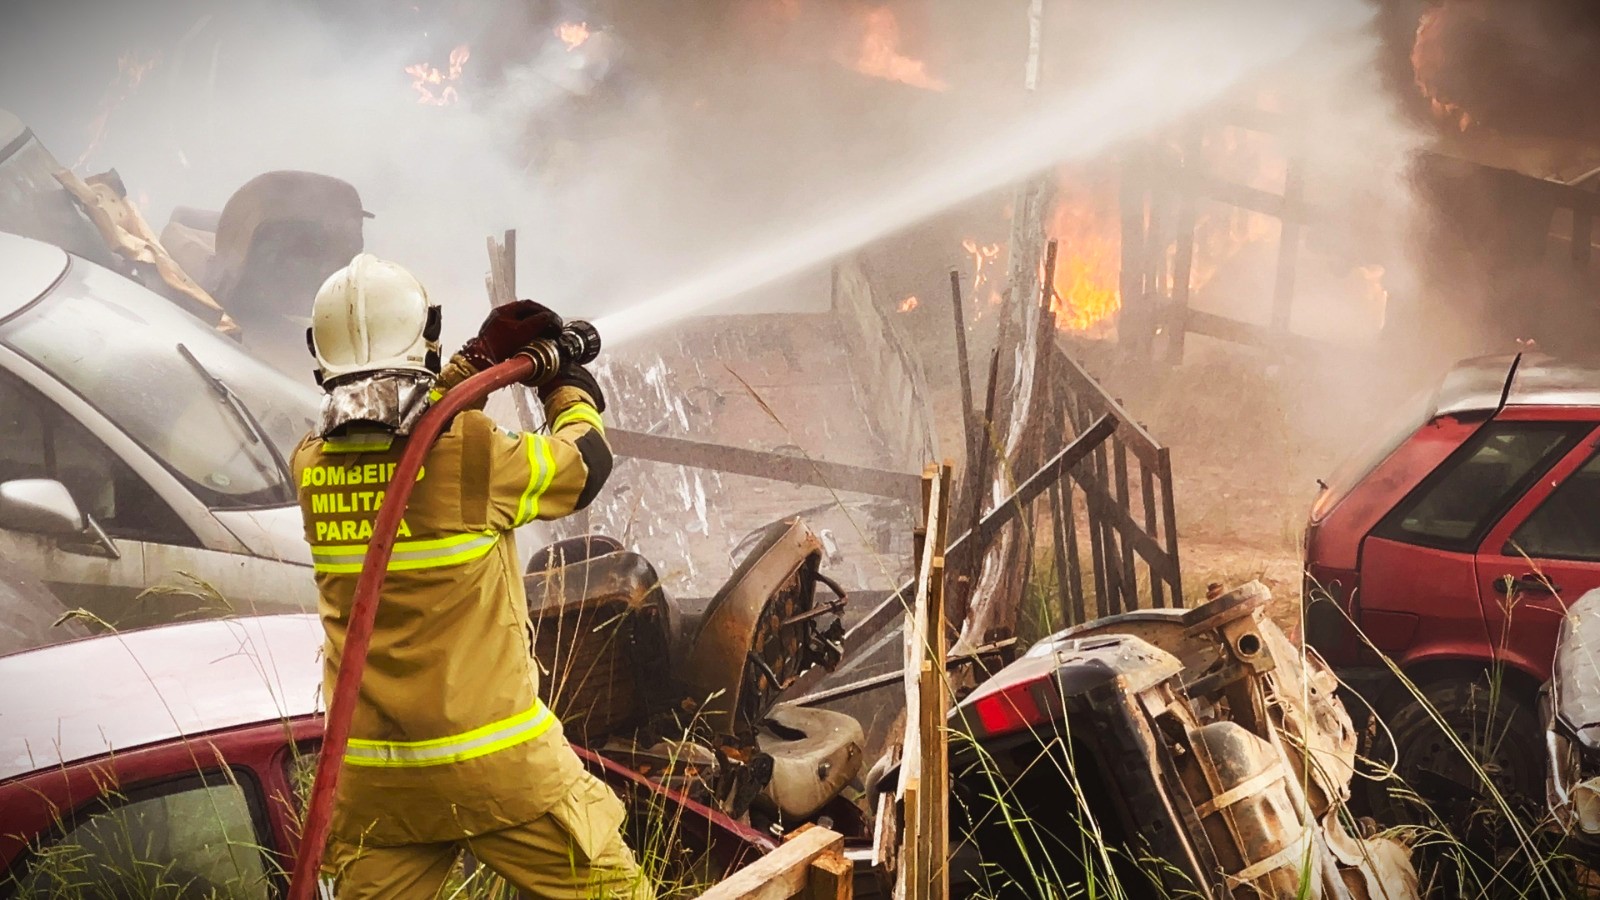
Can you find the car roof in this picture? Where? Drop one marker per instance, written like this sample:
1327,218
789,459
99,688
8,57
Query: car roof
90,697
28,269
1478,385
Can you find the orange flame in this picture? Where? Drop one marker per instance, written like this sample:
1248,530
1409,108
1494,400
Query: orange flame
983,255
1086,295
425,79
1427,59
131,70
879,54
908,304
573,34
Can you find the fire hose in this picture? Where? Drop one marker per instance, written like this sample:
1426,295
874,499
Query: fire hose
535,364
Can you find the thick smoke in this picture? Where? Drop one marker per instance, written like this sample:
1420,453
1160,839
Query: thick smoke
1525,67
647,157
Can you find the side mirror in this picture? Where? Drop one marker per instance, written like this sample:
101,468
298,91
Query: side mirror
44,506
39,506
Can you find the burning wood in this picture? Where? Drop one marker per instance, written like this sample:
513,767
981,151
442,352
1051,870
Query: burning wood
878,54
436,88
573,34
1086,297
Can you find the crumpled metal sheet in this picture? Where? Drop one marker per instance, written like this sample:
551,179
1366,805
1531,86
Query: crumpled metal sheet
1576,681
394,400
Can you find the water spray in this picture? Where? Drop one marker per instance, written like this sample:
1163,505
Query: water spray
1150,85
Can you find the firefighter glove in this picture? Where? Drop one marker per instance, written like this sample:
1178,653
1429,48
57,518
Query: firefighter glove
508,329
574,375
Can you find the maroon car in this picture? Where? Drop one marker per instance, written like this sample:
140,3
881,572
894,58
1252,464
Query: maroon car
1453,546
164,763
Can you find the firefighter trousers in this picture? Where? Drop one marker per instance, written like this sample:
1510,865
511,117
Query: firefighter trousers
574,852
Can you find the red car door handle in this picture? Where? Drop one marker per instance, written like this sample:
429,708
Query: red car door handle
1526,584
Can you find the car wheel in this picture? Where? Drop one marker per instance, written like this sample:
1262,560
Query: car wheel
1436,784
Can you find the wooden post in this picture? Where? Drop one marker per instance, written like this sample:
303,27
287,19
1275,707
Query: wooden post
1288,246
1177,318
969,410
935,690
501,283
925,770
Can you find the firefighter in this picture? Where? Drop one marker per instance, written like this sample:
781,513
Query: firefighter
451,748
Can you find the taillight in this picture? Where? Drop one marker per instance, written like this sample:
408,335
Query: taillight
1014,707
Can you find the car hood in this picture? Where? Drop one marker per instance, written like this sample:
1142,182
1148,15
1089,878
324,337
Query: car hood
271,533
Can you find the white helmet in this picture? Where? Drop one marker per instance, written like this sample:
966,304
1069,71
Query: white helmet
372,316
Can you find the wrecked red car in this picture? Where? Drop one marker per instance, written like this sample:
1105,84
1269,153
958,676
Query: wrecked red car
179,766
1453,545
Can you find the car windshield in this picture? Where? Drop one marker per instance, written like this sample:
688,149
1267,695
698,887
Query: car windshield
118,346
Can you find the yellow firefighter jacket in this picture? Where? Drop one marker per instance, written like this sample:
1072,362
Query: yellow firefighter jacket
449,737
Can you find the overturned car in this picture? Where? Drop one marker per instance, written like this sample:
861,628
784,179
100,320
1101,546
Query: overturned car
1181,752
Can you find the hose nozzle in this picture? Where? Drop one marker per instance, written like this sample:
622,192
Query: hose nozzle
578,343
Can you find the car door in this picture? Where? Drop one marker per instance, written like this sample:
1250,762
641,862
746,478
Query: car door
1541,557
38,440
1420,592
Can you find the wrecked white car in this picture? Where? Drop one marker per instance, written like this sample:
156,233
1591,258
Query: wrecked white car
141,453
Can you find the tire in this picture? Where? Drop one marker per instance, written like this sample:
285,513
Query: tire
1438,787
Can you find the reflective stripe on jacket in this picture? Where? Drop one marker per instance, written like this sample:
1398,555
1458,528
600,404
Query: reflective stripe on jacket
449,737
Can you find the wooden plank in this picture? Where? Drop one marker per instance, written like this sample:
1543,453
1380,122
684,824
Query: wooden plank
1082,385
969,409
1169,516
1058,527
1287,344
832,877
508,273
1143,544
910,875
1147,497
781,874
762,464
935,696
1069,506
1177,318
502,285
1130,575
1288,250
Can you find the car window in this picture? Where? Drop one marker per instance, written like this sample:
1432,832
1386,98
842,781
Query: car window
39,440
1565,526
188,838
1452,508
